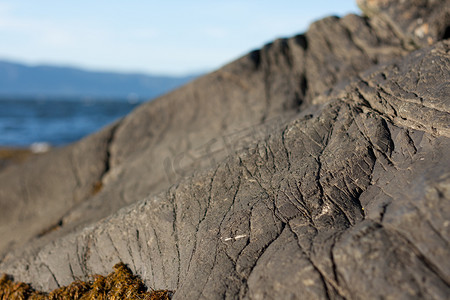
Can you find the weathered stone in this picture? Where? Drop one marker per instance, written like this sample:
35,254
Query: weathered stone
418,22
315,168
35,196
199,124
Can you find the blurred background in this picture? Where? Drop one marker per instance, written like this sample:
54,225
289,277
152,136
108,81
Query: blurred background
68,68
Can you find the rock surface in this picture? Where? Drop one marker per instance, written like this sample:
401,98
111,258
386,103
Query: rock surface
314,168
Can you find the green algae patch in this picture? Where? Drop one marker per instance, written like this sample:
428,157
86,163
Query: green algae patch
120,284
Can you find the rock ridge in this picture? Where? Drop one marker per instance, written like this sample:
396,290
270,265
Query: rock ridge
314,168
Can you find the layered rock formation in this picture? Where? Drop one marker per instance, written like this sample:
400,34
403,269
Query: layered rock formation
314,168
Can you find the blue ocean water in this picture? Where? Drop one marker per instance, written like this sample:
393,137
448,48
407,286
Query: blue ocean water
56,122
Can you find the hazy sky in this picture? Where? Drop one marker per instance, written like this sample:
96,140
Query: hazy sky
168,37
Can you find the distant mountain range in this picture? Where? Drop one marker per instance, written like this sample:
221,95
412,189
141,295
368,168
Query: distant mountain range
22,81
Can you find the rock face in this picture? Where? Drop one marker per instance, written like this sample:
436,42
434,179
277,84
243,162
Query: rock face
314,168
418,22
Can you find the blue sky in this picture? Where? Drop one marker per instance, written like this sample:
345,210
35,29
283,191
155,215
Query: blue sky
163,37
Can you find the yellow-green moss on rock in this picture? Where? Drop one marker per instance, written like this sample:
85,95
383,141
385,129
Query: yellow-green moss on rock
120,284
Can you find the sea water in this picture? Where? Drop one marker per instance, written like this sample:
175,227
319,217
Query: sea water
24,122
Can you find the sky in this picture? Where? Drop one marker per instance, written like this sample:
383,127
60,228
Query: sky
158,37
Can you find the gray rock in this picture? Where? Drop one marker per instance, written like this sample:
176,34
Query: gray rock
418,22
36,195
314,168
191,128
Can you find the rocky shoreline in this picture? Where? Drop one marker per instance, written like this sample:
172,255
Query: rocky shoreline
314,168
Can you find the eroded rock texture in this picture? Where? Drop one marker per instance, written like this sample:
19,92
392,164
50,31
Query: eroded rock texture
315,168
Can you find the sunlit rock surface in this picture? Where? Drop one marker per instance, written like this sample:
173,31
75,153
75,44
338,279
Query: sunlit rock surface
317,167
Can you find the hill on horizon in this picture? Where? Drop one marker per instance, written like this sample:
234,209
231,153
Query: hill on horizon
18,80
